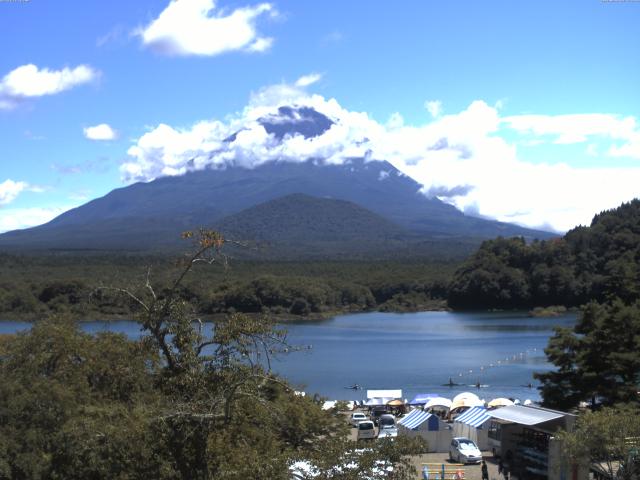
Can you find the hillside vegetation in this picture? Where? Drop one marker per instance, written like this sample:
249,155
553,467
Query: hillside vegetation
589,263
597,268
34,286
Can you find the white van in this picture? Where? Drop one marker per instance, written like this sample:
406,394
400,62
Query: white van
356,418
366,430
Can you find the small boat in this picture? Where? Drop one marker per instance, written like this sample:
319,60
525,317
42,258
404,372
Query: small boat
355,386
452,383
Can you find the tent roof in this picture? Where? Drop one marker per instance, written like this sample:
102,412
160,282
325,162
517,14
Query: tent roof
466,395
384,393
526,415
474,417
421,398
438,402
378,401
414,419
466,402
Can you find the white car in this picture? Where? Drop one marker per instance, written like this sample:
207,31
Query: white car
366,430
356,418
388,432
464,450
387,427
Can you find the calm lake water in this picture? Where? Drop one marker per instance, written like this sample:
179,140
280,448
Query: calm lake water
417,352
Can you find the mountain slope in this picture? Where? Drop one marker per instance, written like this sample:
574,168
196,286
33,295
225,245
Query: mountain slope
301,226
150,215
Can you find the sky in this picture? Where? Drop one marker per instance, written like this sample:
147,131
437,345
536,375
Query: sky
526,112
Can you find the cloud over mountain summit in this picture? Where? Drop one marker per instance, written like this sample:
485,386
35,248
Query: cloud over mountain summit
469,158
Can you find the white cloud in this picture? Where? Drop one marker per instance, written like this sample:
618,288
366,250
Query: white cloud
29,81
307,80
10,189
19,218
462,156
194,27
434,107
100,132
574,128
629,149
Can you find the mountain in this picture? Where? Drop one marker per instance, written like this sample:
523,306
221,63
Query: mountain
301,226
150,215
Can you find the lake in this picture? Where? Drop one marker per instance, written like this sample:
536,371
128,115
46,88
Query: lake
417,352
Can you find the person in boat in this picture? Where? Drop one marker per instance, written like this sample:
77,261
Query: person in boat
478,384
451,384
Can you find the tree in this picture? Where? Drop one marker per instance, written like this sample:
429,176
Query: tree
609,438
184,401
599,360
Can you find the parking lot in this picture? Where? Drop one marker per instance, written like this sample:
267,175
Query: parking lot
471,472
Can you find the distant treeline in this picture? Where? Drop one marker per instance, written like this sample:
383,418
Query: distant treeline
593,263
87,286
589,263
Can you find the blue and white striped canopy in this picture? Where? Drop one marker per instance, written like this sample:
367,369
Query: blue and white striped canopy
414,419
475,416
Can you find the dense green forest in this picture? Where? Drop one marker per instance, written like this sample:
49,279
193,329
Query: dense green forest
598,263
175,404
33,286
595,263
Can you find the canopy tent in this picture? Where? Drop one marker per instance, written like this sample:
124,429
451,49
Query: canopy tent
371,402
525,415
474,417
462,395
398,402
472,424
466,402
384,393
422,398
428,426
500,402
416,418
438,402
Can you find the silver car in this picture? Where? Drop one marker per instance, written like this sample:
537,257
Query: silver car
387,426
464,450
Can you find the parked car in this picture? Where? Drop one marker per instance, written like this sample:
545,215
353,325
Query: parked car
356,418
464,450
366,430
386,420
387,426
388,432
377,413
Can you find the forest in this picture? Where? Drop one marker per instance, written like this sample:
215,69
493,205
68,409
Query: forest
598,263
179,404
175,404
34,286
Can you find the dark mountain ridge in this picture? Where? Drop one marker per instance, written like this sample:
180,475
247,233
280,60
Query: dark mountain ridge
150,216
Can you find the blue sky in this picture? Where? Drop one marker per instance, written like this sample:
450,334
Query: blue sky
544,96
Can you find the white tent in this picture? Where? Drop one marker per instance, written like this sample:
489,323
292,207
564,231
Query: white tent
378,401
469,395
438,402
473,424
466,399
428,426
384,393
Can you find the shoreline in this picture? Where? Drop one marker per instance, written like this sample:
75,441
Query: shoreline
284,318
